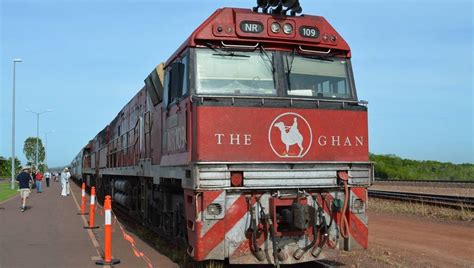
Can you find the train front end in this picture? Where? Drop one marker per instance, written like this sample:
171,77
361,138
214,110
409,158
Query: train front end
279,141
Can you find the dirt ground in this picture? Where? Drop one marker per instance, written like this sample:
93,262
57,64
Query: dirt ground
411,241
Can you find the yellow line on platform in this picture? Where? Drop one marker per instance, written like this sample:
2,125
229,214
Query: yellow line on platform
91,234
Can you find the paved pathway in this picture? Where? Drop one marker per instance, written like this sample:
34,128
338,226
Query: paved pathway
50,234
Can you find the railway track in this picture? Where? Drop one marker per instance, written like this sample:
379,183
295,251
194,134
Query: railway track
424,181
431,183
458,202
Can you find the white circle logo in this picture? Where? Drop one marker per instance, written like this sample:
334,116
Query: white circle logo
290,136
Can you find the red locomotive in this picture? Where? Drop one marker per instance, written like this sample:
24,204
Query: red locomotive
248,144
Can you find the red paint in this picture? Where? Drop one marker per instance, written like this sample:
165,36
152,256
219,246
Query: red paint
208,197
359,231
236,178
229,20
259,124
216,234
360,192
197,202
176,134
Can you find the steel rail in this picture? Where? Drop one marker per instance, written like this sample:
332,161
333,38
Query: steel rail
458,202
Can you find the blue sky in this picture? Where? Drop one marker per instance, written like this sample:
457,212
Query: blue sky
413,62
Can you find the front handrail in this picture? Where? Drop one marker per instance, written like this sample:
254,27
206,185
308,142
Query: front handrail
240,46
315,51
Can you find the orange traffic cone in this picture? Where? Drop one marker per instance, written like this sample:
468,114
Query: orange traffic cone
108,235
92,211
83,200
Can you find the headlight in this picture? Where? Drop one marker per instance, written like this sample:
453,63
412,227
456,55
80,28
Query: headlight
214,209
358,204
276,27
287,28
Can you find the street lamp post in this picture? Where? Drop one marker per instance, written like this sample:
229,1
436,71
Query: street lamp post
46,146
37,131
13,124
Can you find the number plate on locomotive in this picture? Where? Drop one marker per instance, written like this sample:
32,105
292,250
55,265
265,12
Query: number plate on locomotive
251,27
309,31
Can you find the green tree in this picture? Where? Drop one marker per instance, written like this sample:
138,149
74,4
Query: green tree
29,149
394,167
6,166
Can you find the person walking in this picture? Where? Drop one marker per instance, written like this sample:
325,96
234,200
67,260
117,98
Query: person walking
47,176
24,179
39,179
65,175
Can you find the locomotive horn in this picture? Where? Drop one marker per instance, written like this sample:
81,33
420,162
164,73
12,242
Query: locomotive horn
273,3
288,3
280,7
296,9
263,4
293,5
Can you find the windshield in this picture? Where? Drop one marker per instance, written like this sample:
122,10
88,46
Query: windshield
237,73
321,78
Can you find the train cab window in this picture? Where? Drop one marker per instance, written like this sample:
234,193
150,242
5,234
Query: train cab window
234,73
176,80
185,90
320,78
166,87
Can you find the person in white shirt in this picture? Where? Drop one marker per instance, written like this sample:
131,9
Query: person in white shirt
47,176
65,175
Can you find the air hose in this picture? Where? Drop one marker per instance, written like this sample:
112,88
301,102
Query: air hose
323,229
324,236
301,251
254,228
344,225
331,220
272,233
331,216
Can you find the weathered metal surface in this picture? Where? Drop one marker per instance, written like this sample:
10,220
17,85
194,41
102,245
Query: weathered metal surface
311,175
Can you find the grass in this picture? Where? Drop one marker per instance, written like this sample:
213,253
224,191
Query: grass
6,191
419,209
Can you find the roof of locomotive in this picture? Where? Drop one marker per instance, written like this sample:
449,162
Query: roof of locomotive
226,25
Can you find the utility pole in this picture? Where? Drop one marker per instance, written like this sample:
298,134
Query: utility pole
13,124
37,132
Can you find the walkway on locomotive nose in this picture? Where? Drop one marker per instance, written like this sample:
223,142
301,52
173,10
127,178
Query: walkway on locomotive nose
51,234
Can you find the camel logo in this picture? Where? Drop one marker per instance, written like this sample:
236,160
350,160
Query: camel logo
290,136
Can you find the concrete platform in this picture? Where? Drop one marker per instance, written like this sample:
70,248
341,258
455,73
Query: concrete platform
51,234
